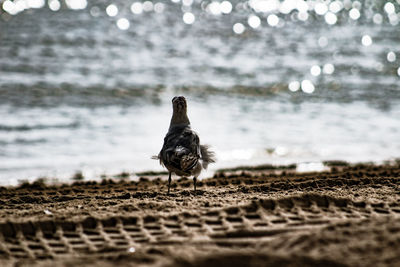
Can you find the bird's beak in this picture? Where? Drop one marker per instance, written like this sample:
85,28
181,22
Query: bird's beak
179,102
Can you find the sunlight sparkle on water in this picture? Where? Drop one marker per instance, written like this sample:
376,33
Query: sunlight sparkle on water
35,3
294,86
112,10
335,6
328,68
238,28
9,7
347,4
320,8
187,2
330,18
123,24
15,7
214,8
303,16
273,20
76,4
311,167
307,86
301,6
147,6
391,56
54,5
393,19
354,14
188,18
315,70
136,8
389,8
356,4
286,6
377,18
159,7
264,6
226,7
254,21
366,40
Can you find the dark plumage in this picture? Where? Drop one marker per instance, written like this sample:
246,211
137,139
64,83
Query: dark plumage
182,153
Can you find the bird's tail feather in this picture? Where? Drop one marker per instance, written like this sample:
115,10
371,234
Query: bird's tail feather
158,157
207,156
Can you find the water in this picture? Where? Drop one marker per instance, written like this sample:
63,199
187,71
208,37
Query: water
79,93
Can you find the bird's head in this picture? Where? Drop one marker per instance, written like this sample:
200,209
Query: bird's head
179,104
179,114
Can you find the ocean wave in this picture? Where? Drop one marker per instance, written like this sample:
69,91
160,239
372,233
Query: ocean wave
27,127
44,94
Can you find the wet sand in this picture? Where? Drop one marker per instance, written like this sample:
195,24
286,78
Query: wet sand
347,216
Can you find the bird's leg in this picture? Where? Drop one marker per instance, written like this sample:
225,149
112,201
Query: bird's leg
194,181
169,182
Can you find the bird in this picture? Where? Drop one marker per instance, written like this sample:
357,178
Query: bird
181,152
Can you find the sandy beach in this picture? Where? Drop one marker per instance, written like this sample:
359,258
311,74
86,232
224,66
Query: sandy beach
347,216
87,93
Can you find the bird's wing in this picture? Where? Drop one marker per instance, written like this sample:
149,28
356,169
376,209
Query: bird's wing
181,149
167,149
191,141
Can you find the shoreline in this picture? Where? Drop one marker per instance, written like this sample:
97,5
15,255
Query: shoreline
348,215
124,174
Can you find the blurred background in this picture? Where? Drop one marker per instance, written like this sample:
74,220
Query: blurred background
87,85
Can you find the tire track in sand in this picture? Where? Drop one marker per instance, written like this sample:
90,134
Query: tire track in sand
258,222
